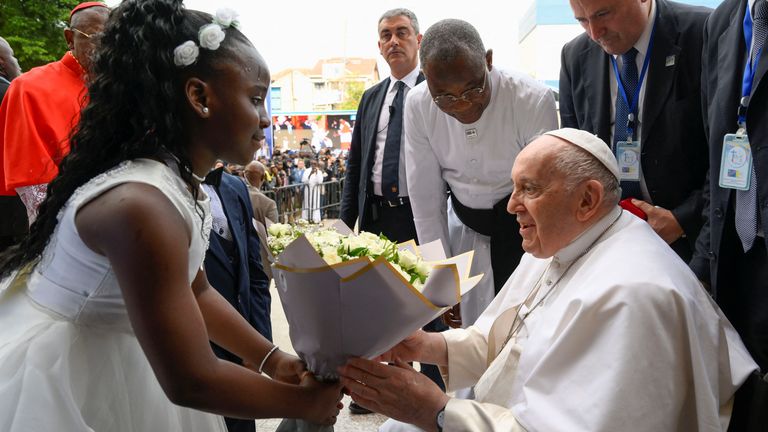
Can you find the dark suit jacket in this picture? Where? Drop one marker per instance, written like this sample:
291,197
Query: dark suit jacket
354,199
13,214
4,84
674,148
241,281
722,69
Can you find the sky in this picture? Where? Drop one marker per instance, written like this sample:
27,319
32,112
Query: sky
298,33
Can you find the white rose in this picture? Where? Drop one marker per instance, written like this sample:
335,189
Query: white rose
423,268
400,270
368,237
225,17
418,285
376,248
330,255
211,36
327,237
353,242
278,229
407,259
185,54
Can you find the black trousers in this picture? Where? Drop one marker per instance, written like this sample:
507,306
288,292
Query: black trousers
396,223
742,293
240,425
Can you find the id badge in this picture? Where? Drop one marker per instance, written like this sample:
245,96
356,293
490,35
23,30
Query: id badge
735,162
628,157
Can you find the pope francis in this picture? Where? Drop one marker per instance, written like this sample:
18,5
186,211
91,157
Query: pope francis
601,327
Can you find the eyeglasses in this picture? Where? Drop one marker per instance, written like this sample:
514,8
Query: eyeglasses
446,101
89,36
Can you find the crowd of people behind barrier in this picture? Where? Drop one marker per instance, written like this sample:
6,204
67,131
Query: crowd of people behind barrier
304,184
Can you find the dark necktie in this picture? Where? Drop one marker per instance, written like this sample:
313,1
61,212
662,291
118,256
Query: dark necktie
746,201
629,188
390,170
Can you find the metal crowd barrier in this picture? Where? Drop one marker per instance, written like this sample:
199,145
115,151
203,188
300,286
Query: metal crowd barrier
312,203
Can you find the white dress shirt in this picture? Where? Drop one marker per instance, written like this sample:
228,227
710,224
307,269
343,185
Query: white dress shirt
220,222
475,160
381,135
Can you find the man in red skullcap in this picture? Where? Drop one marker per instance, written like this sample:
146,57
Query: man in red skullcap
42,106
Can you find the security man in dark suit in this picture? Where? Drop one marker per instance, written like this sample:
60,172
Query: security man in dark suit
233,263
375,191
13,214
633,80
731,250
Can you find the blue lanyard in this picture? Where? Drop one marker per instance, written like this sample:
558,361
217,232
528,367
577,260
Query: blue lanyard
749,69
620,86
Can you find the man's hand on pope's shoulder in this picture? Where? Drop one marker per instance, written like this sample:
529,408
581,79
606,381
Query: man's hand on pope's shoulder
662,221
397,391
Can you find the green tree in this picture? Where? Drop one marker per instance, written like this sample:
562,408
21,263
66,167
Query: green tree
35,29
352,94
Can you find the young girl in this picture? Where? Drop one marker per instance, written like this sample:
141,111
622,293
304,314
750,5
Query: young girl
105,313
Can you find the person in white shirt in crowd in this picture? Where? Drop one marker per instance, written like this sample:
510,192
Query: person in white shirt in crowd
463,130
602,327
313,177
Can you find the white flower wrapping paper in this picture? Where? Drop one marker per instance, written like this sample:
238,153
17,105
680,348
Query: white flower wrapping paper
361,307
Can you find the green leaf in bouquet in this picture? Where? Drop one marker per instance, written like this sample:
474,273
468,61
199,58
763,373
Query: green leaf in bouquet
358,252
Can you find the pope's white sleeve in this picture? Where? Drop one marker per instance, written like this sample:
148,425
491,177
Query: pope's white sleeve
467,357
426,187
470,415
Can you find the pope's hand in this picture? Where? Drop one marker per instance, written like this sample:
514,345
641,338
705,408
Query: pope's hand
397,391
410,349
662,221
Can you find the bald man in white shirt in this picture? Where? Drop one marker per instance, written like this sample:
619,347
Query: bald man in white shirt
463,129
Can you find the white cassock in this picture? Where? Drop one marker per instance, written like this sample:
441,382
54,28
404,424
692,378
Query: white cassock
311,207
475,160
627,340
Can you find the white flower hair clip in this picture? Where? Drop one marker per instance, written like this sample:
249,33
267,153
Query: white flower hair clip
210,37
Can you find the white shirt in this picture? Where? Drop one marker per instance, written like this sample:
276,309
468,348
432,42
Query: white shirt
220,222
475,160
381,135
627,337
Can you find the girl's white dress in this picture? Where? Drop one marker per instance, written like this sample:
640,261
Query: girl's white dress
69,359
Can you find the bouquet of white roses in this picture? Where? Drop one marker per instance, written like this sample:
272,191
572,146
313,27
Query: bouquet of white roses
335,247
358,295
